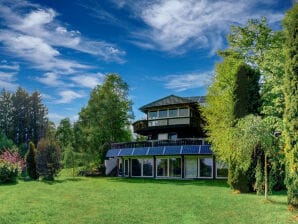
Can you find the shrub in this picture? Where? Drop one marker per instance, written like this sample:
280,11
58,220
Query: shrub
48,158
11,164
31,162
8,172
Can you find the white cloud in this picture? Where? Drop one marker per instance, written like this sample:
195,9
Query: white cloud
67,96
35,36
9,66
7,80
89,80
177,25
184,82
51,79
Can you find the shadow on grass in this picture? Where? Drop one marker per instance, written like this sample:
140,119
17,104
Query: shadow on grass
64,180
9,183
201,182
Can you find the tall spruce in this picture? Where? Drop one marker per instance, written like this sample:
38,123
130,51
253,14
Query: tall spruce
31,163
232,95
290,118
6,112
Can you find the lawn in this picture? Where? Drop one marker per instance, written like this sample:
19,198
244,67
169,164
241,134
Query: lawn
116,200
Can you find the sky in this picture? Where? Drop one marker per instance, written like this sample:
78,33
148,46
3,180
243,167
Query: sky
65,48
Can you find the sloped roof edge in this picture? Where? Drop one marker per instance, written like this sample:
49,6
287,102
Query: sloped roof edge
173,100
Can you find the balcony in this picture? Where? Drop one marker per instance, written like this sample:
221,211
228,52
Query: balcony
143,125
155,143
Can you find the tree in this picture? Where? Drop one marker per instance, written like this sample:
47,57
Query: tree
31,163
21,111
5,143
38,118
48,158
23,117
232,95
107,116
261,47
6,111
64,133
290,118
254,142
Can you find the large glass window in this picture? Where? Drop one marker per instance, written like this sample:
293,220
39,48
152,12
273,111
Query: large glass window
183,112
191,167
162,113
175,167
136,167
152,114
126,167
147,167
221,169
173,113
162,167
206,165
120,167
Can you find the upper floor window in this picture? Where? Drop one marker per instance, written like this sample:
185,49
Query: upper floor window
173,113
183,112
162,113
152,114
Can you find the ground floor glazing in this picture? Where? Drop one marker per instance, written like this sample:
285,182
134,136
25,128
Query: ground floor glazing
204,167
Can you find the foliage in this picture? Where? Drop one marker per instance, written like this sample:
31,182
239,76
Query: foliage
5,143
48,159
290,118
11,164
232,95
106,118
64,133
31,162
72,159
22,116
8,172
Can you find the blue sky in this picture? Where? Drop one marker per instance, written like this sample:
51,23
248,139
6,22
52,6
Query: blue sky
64,48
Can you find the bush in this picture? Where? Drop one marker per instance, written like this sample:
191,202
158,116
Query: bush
31,162
11,164
8,172
48,159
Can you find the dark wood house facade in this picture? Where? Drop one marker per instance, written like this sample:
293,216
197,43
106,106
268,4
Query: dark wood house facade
175,145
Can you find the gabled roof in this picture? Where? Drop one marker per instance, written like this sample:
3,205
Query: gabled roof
173,100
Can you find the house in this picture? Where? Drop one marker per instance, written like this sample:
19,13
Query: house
175,145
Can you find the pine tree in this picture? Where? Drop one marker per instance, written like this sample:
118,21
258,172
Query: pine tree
290,117
31,163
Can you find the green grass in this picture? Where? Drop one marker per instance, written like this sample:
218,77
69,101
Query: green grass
116,200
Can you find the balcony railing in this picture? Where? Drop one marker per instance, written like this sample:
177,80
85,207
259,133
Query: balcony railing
144,124
154,143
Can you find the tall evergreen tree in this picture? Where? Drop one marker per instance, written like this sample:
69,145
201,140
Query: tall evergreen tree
38,117
31,163
290,130
6,112
21,116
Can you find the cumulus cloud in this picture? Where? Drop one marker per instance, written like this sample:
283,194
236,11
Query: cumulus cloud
177,25
184,82
67,96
